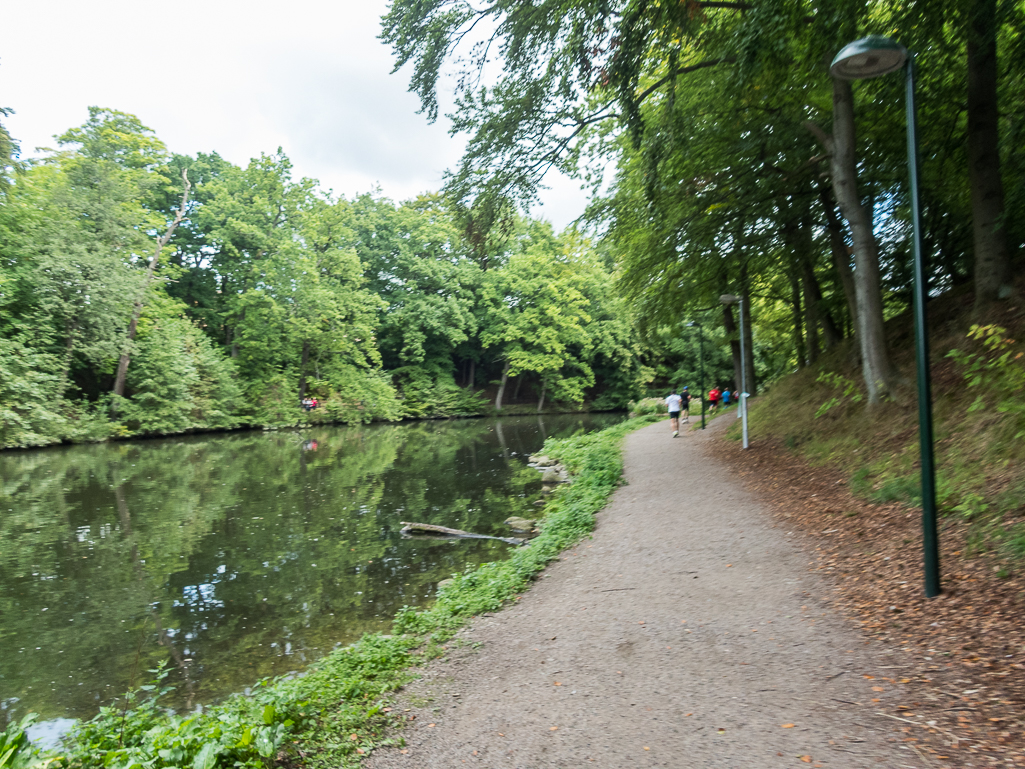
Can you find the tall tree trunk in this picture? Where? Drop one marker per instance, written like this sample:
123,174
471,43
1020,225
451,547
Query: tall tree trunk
472,374
501,387
516,391
541,399
876,366
813,295
730,323
811,311
992,256
798,318
749,346
125,359
840,253
70,334
304,361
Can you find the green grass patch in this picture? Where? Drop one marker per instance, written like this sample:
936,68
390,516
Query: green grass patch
334,713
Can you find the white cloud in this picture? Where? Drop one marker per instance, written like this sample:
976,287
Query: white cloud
239,78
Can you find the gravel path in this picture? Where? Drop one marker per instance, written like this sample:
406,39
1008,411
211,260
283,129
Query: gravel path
687,633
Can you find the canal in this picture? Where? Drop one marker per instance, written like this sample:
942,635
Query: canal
238,556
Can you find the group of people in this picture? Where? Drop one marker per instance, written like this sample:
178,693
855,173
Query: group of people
679,404
309,404
717,397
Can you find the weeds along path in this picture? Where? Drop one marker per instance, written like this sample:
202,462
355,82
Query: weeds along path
687,633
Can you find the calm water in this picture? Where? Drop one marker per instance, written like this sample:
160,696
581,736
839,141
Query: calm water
238,556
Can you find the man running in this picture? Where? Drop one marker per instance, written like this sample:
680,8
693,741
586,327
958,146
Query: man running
685,410
674,403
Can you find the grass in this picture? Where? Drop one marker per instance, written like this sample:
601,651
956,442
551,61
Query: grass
336,712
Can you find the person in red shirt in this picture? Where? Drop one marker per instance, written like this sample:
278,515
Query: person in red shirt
713,399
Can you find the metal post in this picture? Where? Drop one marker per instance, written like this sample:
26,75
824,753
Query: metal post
930,538
743,375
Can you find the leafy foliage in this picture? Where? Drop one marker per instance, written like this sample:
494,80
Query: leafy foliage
272,290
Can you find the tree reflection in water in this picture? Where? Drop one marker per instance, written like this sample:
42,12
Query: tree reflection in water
237,556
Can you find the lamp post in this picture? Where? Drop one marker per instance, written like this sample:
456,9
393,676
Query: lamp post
870,57
733,299
701,359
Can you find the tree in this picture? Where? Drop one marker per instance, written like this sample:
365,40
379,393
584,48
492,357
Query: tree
537,315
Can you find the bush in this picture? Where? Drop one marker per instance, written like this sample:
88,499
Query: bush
647,406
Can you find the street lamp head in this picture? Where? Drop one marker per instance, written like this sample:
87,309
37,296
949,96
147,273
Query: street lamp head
869,57
729,299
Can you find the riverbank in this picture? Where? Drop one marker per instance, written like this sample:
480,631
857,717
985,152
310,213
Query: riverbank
312,718
102,432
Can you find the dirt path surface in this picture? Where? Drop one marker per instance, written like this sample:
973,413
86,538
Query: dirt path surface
687,633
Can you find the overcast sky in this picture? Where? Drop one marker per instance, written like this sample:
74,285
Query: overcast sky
239,78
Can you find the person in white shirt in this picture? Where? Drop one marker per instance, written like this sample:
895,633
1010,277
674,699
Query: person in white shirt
674,403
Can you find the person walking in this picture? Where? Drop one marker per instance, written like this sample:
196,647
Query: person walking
725,397
674,403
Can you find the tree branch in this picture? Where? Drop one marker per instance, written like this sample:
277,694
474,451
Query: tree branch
682,71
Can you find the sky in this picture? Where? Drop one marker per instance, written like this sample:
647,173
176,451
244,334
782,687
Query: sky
238,78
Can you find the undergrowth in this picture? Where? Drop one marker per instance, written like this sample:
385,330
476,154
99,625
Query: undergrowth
979,422
335,712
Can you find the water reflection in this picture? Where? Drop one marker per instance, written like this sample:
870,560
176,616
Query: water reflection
237,556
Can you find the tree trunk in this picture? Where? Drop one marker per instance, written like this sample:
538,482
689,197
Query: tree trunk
876,366
125,359
541,399
992,257
795,309
473,372
811,311
304,361
516,391
501,387
813,295
70,332
731,330
749,347
840,253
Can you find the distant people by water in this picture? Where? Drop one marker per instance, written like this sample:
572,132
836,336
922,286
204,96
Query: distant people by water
309,404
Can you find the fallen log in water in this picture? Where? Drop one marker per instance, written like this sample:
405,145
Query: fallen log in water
415,529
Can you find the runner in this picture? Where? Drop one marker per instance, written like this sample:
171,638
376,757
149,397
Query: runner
713,400
674,403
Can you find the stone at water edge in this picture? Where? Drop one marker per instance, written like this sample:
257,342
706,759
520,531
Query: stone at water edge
445,583
547,489
540,460
520,524
551,476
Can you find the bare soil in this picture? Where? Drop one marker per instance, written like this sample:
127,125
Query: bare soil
694,630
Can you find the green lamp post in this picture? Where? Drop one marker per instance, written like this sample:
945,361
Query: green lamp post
870,57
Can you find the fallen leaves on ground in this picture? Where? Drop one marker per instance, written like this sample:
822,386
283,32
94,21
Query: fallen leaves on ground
959,657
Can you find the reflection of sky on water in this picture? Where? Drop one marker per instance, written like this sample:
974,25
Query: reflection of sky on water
237,556
47,734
